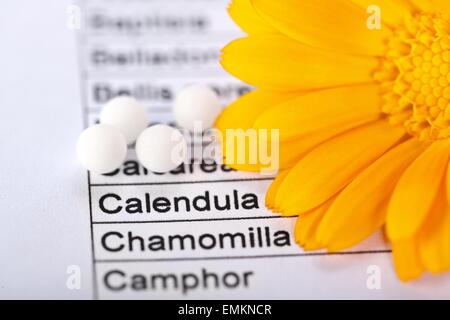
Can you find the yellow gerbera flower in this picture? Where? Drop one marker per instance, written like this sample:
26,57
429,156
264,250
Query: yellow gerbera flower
364,119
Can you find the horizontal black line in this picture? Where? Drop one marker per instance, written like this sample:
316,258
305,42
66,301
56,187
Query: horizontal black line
293,255
192,145
194,220
158,35
95,111
175,182
131,74
127,2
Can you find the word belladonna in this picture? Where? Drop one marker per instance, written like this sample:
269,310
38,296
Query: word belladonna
112,203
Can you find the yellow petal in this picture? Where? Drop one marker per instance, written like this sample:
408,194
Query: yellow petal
360,209
242,114
278,63
442,6
332,165
324,109
307,224
434,239
335,25
423,5
246,17
392,12
272,191
406,259
291,151
416,191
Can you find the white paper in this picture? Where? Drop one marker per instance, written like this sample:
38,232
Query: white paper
58,224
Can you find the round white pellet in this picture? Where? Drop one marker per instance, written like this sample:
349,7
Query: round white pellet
126,114
161,148
101,148
196,103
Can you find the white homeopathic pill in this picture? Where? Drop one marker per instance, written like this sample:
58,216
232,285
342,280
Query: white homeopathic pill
101,148
161,148
196,103
126,114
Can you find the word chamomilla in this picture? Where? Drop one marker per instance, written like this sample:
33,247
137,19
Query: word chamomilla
253,237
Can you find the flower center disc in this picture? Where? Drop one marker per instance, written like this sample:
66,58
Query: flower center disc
415,76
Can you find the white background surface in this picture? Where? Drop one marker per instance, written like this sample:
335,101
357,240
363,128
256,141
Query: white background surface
44,220
44,215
